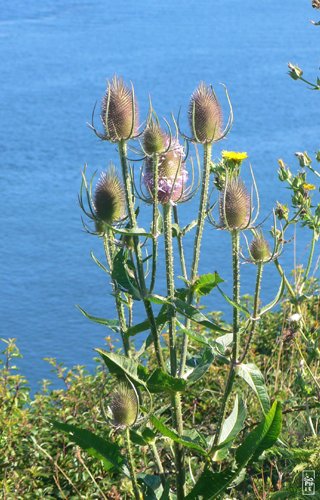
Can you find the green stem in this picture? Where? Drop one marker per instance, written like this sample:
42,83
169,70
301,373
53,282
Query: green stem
155,170
311,253
109,249
255,311
132,466
197,246
235,330
157,459
180,244
138,253
176,400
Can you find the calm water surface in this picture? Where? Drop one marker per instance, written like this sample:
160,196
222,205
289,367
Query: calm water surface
55,58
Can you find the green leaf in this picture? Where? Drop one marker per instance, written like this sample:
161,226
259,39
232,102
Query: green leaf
206,282
171,434
188,227
113,324
254,378
275,300
136,231
231,427
121,274
261,438
106,451
121,366
195,315
159,381
212,485
234,304
205,361
145,325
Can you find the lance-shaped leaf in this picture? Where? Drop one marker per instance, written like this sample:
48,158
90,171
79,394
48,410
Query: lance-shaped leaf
145,325
203,364
275,300
135,231
212,485
254,378
106,451
171,434
160,381
240,307
231,427
205,283
121,366
113,324
122,275
189,312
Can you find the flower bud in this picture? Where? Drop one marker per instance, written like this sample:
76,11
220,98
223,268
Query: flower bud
119,111
294,71
124,405
109,197
172,175
259,249
154,139
205,115
234,205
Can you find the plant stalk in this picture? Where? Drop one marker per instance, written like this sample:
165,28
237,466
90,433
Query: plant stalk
132,466
155,170
235,235
176,400
138,253
197,246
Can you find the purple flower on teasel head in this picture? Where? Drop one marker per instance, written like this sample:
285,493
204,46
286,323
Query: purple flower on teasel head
172,174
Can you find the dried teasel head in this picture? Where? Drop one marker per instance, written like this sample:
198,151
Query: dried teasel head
205,115
154,139
259,249
124,405
109,198
172,174
234,205
119,112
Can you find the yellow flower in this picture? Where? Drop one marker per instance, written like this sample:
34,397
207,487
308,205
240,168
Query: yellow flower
234,156
308,187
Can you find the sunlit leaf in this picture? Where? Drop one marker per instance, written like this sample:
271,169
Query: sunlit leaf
113,324
254,378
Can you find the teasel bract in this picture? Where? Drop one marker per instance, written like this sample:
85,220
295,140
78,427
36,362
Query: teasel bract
172,174
109,198
124,405
119,112
235,205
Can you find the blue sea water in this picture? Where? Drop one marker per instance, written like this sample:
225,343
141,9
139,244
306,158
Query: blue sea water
55,59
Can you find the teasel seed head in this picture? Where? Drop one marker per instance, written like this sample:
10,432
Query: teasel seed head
234,205
205,115
124,405
259,249
119,112
172,174
154,139
109,197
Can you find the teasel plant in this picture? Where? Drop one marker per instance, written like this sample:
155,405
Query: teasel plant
166,171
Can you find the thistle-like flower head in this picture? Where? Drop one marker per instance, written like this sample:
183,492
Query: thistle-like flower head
234,205
119,112
172,174
205,115
154,139
259,249
124,405
109,197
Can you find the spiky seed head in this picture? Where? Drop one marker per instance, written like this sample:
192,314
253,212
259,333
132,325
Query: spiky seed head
172,175
259,249
119,111
109,197
205,115
234,205
154,139
124,405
